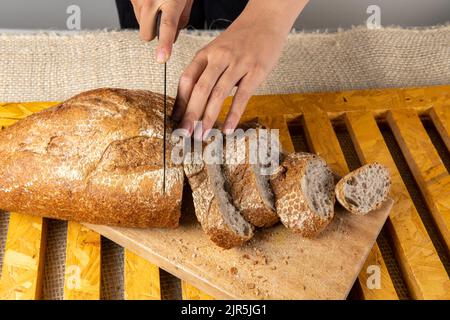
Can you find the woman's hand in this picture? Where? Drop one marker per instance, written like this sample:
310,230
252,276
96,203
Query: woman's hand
242,56
174,17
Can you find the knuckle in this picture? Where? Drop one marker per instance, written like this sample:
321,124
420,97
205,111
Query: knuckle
148,3
242,96
218,93
169,22
259,69
221,54
207,119
202,88
186,78
145,36
199,54
191,115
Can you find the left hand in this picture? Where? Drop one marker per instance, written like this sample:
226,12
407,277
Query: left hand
242,56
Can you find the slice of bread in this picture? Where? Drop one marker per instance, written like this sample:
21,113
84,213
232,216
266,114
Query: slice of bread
364,189
304,193
249,184
218,217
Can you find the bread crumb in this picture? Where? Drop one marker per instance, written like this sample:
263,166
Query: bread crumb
273,268
245,256
250,286
233,270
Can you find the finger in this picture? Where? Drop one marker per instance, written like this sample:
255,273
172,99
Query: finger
137,10
200,94
147,26
185,15
170,17
184,18
219,93
187,82
247,86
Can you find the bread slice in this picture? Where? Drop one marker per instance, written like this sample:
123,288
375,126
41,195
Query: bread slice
218,217
364,189
249,185
304,193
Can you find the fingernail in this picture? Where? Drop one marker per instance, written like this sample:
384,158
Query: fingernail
228,131
187,126
161,56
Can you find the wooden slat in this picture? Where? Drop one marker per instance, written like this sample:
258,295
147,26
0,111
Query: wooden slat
426,165
189,292
422,269
5,122
387,290
141,278
22,110
279,122
82,272
441,119
322,140
24,258
337,103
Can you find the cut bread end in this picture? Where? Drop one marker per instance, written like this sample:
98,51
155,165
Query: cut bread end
364,189
304,192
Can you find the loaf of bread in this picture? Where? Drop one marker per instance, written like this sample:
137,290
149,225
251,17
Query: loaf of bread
95,158
304,193
365,189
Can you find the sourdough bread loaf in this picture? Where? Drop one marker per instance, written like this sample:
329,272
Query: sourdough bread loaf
364,189
95,158
304,193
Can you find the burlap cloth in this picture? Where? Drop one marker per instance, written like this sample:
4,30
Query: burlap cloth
52,67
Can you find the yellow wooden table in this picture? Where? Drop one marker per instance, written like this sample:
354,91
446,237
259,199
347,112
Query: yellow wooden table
406,129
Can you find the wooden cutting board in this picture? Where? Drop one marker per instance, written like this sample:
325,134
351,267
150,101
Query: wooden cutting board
276,264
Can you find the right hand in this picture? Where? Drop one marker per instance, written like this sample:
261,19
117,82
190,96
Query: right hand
174,17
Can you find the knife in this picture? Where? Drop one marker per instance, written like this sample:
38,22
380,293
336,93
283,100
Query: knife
158,23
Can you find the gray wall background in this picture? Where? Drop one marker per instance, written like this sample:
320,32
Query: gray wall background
319,14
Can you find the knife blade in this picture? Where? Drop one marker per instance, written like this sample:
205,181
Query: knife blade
158,23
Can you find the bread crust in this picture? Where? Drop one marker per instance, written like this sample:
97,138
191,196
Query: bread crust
246,196
207,209
95,158
340,194
290,200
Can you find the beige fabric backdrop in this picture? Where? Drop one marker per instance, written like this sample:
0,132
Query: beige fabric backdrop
51,67
47,67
